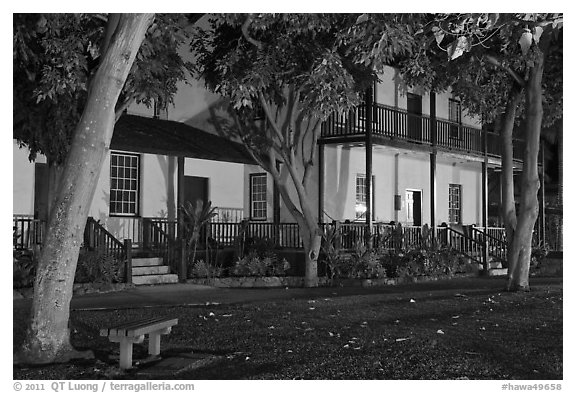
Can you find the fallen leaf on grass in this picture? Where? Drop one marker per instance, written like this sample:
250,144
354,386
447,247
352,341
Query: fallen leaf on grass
440,331
226,315
311,308
412,301
402,339
455,316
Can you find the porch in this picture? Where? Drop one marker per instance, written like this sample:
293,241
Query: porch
397,127
158,237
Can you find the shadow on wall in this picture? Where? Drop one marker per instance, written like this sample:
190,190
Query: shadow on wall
168,169
335,204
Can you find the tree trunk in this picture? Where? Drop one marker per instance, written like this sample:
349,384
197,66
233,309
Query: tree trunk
518,276
508,208
309,231
48,336
312,241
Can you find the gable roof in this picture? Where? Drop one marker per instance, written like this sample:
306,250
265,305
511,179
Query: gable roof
155,136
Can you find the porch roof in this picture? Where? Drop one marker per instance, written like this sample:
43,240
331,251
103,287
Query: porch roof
155,136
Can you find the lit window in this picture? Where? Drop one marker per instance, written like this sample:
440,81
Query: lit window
124,184
361,191
455,203
258,196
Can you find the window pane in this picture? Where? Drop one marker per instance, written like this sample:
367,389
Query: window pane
124,183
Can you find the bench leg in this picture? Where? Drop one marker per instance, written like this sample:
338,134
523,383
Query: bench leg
126,353
126,346
154,344
154,340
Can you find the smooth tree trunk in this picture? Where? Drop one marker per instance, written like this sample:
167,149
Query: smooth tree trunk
518,275
508,208
310,232
48,336
312,241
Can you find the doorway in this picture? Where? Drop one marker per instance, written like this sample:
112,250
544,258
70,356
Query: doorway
414,107
41,192
414,207
195,188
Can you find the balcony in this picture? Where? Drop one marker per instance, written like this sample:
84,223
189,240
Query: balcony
396,126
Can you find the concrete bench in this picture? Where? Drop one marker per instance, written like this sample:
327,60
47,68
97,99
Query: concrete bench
133,332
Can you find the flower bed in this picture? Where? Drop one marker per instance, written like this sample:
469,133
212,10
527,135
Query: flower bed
298,282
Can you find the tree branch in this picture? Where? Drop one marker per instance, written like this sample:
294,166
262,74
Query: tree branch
122,107
273,124
246,35
492,60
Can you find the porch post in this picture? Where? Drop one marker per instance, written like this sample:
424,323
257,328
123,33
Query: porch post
321,183
485,203
276,200
369,169
276,210
183,263
543,199
433,134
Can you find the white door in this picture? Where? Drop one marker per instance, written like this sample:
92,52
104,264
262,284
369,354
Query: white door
410,207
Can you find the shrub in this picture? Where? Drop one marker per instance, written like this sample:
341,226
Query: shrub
255,265
98,267
201,269
539,252
23,269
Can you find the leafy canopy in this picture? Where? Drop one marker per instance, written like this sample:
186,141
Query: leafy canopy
329,58
54,57
481,56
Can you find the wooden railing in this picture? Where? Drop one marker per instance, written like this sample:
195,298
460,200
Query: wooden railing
29,232
228,214
159,237
96,237
395,123
496,238
468,246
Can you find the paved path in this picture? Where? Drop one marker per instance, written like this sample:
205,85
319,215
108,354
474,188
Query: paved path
199,295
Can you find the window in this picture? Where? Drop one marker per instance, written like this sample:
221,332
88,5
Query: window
361,191
124,184
258,195
455,203
455,116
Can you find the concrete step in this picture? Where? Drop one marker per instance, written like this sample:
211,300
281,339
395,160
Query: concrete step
147,270
140,262
155,279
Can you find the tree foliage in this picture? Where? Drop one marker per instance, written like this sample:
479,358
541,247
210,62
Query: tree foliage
54,57
296,69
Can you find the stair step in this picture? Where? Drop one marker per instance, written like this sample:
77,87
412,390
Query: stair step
147,270
140,262
155,279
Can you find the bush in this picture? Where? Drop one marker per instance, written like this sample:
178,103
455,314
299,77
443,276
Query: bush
539,253
201,269
98,267
23,269
255,265
424,261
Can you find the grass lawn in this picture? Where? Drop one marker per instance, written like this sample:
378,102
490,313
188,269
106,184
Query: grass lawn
415,333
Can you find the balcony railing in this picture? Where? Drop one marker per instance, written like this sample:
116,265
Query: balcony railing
398,124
